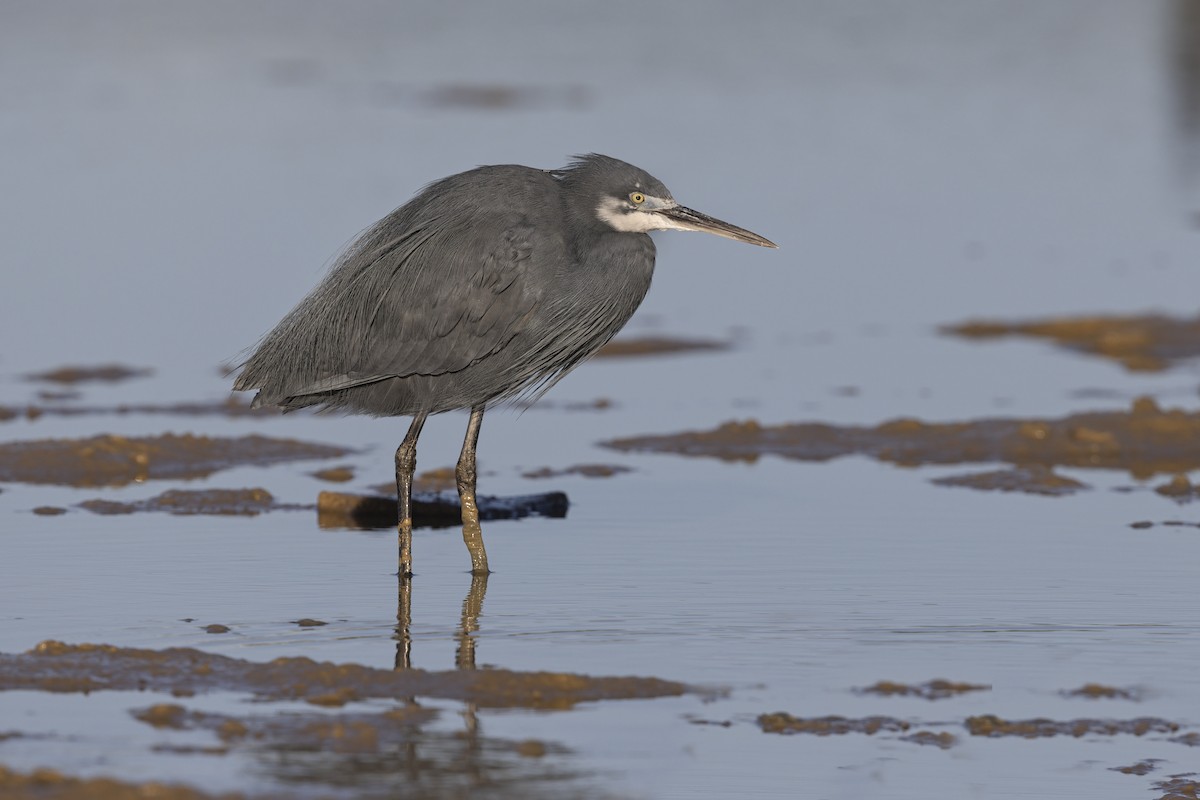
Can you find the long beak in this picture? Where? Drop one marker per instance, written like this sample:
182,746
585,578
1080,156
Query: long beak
684,218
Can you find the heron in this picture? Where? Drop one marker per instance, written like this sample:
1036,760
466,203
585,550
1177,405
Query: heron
487,287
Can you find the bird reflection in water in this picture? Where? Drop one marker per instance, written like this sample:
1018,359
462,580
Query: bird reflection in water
472,609
464,659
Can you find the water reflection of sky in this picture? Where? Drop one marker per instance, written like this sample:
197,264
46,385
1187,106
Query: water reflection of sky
177,177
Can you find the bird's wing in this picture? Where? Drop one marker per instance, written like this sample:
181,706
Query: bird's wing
432,299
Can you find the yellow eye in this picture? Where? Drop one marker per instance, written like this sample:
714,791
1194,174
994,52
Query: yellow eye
637,198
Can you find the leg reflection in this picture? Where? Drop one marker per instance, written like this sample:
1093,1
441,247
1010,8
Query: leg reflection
464,658
472,609
471,759
403,638
403,635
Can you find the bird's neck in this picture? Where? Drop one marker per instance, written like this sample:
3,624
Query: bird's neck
604,257
612,261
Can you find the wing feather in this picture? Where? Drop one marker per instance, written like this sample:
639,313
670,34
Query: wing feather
454,300
440,284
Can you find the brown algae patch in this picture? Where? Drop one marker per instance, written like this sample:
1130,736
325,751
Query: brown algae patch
1145,440
1098,691
1140,343
433,480
189,750
338,733
49,784
1180,787
371,754
783,722
59,396
392,752
1031,479
337,510
1166,523
584,470
504,97
658,345
1179,488
102,373
937,689
717,723
162,715
57,667
542,404
109,460
185,502
943,740
232,407
532,748
1144,767
440,479
341,474
993,726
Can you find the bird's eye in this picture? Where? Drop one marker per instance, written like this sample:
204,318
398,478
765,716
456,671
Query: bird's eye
637,198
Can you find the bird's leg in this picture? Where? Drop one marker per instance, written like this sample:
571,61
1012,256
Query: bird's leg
465,474
406,465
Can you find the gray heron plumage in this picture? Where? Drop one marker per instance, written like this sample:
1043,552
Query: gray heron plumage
488,285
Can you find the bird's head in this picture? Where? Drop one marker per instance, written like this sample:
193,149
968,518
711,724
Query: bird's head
627,199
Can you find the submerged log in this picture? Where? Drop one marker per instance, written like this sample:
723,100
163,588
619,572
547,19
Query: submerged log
431,510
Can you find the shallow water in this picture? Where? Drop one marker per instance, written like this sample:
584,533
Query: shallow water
178,175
